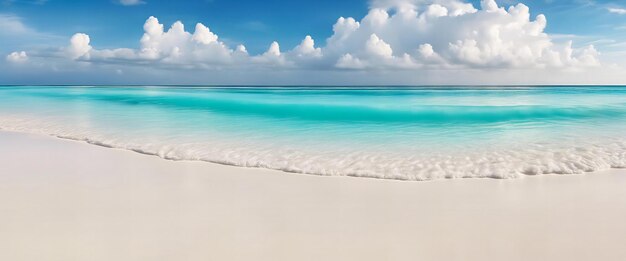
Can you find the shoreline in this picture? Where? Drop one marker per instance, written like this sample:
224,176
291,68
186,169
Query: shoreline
285,171
68,200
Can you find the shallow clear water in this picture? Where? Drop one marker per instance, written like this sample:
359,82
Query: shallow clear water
395,132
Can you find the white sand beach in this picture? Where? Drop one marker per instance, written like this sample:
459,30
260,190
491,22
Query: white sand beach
67,200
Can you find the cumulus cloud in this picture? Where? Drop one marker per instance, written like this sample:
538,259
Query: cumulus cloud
307,48
454,32
79,46
394,34
274,50
204,35
17,57
377,47
273,57
347,61
172,47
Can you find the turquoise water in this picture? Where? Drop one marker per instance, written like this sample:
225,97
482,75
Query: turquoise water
408,133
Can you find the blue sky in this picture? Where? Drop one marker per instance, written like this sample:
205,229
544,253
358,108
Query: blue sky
111,24
258,23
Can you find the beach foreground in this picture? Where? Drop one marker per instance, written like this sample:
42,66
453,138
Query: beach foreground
67,200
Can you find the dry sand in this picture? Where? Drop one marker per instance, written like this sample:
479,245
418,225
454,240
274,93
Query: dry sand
66,200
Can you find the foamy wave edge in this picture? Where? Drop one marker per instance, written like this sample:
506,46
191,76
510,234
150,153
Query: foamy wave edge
587,164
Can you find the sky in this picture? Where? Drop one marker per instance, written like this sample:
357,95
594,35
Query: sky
324,42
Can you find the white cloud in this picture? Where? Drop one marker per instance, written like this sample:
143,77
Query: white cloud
79,46
131,2
307,48
202,49
241,49
426,50
621,11
347,61
274,50
460,34
436,10
377,47
489,5
411,35
17,57
203,35
272,57
427,55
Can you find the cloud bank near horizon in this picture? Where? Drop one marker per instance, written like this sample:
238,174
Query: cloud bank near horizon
395,36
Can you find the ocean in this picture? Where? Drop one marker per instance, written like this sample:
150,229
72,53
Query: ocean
404,133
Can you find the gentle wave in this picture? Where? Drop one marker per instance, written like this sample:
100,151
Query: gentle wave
534,159
303,110
390,133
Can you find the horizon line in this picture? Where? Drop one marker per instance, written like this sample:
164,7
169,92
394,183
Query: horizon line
316,85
